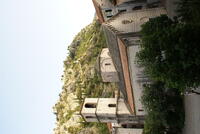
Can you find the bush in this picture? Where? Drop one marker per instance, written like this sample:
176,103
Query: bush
170,52
164,107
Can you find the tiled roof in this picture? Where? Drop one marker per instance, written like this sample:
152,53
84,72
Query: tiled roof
111,39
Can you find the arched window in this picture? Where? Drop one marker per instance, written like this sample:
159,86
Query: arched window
90,105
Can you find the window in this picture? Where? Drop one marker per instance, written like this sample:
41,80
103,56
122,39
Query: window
135,126
111,105
107,64
90,117
111,118
121,10
137,8
108,10
124,125
153,5
108,13
140,110
109,16
90,105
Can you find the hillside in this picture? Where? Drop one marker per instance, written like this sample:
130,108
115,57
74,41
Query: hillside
81,79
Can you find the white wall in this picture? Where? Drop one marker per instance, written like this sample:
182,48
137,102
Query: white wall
136,76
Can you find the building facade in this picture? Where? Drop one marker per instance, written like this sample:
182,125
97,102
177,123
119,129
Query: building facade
122,21
105,9
123,39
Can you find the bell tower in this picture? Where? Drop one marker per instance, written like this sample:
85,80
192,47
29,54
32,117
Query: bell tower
89,109
100,110
108,110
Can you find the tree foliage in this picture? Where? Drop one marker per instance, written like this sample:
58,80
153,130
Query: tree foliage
170,52
164,107
189,11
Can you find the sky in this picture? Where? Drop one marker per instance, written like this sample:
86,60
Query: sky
34,35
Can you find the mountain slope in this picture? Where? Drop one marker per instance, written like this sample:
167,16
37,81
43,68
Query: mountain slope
81,79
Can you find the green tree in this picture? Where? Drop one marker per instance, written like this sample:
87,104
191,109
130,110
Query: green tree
189,11
170,52
164,106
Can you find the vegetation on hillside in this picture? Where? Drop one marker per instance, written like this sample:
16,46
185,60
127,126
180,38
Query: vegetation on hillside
81,79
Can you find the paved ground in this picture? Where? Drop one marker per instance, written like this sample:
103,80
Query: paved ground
192,111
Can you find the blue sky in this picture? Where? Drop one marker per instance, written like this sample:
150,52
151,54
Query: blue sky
34,35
